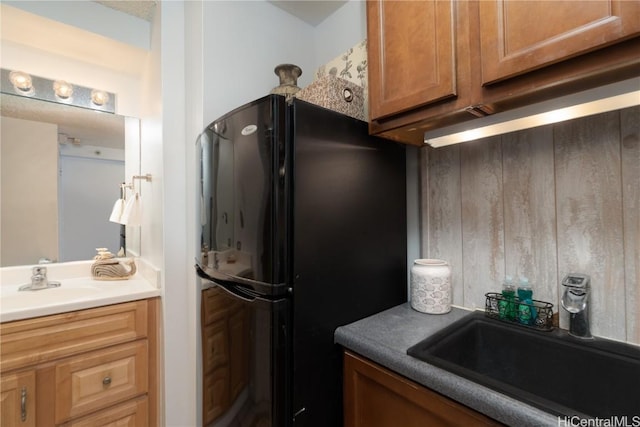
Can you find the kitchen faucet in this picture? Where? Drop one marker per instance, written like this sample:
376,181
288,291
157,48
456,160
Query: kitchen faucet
575,301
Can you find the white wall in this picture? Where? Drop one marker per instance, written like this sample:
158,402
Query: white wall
345,28
243,43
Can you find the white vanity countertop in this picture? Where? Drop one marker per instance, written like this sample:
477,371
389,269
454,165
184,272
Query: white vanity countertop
77,292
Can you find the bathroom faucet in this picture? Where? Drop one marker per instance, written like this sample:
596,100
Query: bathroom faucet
39,280
575,301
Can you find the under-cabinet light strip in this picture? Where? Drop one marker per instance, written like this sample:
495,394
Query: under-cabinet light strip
524,118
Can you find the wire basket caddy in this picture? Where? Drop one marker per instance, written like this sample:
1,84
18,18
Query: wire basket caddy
539,314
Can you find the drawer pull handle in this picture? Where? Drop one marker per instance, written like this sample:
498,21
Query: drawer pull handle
23,404
106,381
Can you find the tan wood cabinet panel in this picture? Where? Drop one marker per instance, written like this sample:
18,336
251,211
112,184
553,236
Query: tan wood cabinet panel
95,380
128,414
215,345
521,36
42,339
215,399
377,397
225,353
411,54
214,305
17,399
239,352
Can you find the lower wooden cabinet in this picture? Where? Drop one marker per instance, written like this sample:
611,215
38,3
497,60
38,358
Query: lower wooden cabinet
17,397
377,397
94,367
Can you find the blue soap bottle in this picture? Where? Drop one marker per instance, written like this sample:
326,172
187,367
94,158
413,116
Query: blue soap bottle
526,312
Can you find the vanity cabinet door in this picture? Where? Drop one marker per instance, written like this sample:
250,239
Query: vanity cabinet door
521,36
377,397
18,404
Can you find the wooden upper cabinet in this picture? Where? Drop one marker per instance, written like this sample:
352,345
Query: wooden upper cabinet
411,54
521,36
437,63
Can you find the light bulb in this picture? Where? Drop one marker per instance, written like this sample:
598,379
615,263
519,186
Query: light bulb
62,89
21,81
99,97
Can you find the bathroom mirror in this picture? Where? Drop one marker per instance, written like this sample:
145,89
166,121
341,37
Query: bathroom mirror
62,167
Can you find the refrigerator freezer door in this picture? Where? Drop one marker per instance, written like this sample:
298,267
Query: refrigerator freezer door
245,358
241,196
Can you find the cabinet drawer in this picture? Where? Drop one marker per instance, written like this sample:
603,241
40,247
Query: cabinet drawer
96,380
129,414
34,341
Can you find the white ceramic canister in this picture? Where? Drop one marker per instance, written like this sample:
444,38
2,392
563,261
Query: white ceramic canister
431,286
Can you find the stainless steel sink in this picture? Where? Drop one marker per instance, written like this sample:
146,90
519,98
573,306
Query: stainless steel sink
549,370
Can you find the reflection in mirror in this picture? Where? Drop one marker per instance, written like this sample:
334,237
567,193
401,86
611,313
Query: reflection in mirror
61,169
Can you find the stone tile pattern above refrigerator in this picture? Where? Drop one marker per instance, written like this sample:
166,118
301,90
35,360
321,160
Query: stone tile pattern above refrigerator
350,66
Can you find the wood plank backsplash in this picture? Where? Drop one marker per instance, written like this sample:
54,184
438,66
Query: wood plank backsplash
541,203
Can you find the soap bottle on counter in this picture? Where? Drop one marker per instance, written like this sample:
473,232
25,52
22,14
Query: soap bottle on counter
526,312
507,305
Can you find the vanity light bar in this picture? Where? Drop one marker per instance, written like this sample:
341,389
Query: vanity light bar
596,101
14,82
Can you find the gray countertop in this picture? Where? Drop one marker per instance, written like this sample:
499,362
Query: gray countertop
385,337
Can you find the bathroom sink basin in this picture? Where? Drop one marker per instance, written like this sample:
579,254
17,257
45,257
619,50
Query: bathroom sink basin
553,371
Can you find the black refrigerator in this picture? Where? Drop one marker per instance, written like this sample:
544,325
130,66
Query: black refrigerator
303,221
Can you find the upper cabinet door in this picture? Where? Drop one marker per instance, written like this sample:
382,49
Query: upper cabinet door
411,54
521,36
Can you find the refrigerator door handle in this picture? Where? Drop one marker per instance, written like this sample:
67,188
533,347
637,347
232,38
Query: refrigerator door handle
235,291
271,289
238,291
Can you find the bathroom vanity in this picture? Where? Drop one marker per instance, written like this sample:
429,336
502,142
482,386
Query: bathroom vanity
82,353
